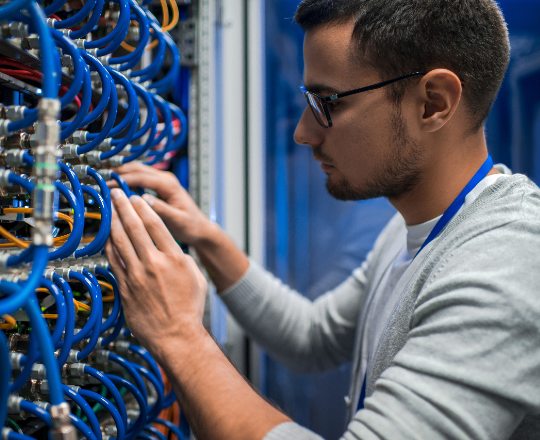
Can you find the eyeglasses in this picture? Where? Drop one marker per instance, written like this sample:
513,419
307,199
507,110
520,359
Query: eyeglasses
319,104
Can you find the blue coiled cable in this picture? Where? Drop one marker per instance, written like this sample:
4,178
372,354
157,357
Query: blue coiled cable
110,42
90,23
133,58
93,323
106,403
98,243
86,409
111,388
165,84
126,365
76,18
60,302
115,312
158,387
139,423
175,429
67,342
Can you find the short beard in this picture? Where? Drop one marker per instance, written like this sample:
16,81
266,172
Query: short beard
399,174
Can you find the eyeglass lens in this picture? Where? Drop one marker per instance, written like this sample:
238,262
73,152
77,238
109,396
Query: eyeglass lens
317,108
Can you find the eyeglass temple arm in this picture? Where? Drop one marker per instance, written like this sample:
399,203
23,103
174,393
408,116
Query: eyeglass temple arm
372,87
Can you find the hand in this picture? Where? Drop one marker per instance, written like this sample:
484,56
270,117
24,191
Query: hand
163,291
175,206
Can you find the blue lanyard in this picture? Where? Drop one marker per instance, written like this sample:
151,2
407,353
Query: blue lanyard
448,215
458,203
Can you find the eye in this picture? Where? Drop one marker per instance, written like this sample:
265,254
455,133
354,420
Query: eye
333,105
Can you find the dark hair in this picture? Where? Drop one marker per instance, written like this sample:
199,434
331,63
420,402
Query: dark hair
468,37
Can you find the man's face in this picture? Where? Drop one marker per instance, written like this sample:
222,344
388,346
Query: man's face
368,152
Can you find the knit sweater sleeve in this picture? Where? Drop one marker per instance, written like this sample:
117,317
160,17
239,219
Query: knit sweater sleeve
305,335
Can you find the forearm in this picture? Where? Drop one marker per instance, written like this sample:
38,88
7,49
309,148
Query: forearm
217,401
223,260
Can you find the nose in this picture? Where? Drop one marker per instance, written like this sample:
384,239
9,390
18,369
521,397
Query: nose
308,131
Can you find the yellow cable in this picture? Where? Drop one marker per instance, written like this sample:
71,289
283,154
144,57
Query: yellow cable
165,25
9,322
165,12
108,299
60,215
50,315
105,284
14,240
175,18
92,215
80,306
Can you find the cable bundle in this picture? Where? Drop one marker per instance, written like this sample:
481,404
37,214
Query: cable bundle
82,91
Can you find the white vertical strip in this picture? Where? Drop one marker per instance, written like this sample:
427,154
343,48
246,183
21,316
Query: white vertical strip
257,147
233,93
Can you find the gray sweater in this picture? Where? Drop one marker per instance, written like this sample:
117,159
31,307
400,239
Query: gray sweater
460,355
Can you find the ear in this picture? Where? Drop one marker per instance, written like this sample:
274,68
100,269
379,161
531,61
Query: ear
440,95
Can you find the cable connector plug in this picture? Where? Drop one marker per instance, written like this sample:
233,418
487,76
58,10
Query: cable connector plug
45,169
62,427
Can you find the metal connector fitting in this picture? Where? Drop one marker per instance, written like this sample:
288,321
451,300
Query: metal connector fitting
4,256
79,42
45,169
6,432
15,360
14,157
105,173
116,161
93,52
121,347
105,145
67,61
79,137
51,22
4,127
93,158
80,170
18,29
31,42
4,177
43,405
102,356
69,151
76,369
73,356
62,427
14,403
15,112
38,372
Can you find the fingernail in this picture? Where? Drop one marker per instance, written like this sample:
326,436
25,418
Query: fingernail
115,193
149,199
134,197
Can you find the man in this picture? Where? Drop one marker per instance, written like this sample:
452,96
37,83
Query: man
442,321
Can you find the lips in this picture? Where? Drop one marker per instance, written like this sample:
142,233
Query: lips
327,167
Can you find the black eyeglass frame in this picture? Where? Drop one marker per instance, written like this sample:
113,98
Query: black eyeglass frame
324,100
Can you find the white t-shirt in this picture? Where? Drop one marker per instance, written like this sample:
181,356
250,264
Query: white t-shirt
382,300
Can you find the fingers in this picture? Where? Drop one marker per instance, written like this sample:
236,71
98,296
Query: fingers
128,232
164,183
155,227
163,209
117,265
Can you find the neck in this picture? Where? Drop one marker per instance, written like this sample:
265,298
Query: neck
445,176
